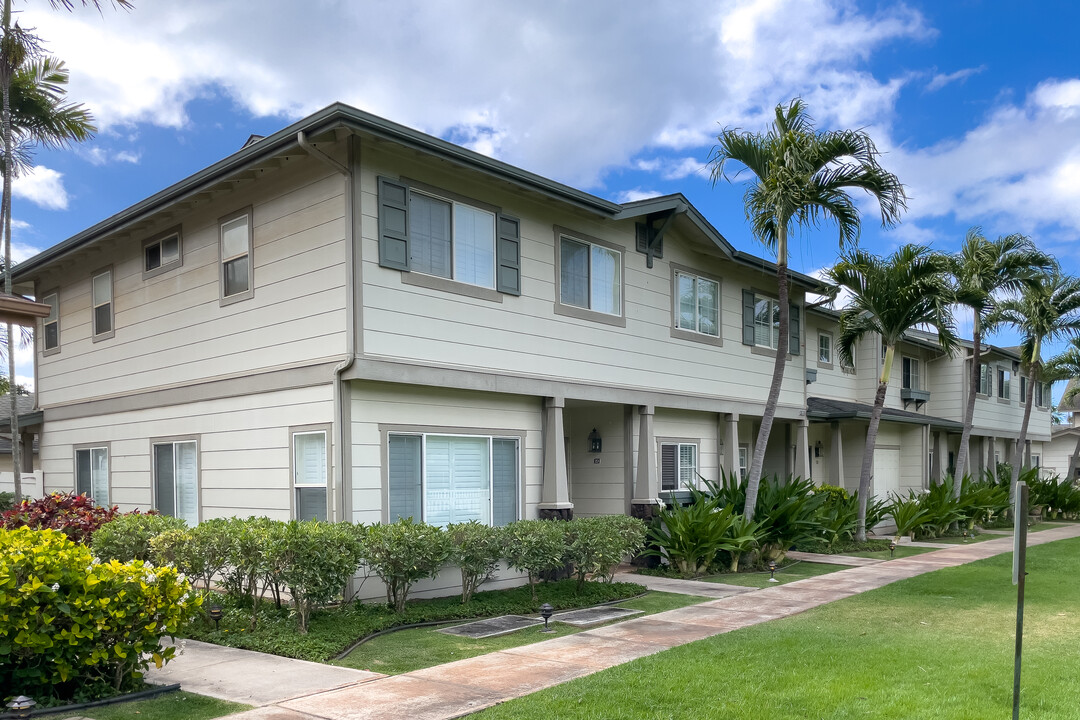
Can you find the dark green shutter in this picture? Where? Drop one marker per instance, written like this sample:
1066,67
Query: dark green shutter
508,256
393,224
747,317
795,326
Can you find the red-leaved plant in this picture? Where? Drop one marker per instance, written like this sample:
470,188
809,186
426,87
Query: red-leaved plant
74,515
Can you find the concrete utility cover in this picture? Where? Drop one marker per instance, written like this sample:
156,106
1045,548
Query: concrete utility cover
594,616
491,628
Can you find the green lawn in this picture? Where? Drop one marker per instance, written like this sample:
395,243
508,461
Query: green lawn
935,647
408,650
901,551
170,706
788,573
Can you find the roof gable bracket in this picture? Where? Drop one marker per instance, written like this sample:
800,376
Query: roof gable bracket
650,239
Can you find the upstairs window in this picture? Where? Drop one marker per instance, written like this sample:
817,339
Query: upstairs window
910,374
678,466
766,322
1023,389
986,380
824,348
590,276
50,326
699,304
1003,383
451,240
161,253
102,300
236,275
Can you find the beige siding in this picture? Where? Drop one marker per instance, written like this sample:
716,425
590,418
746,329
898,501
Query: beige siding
523,335
170,329
243,449
597,480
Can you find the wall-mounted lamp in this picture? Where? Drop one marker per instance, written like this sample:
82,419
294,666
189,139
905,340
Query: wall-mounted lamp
817,449
595,442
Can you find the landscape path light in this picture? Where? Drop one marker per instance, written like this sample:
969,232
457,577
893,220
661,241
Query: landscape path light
20,707
545,612
772,571
216,613
892,549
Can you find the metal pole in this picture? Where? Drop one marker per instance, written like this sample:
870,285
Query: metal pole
1020,550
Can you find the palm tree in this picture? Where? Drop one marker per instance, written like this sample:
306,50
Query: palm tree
983,270
1046,312
890,296
18,53
802,179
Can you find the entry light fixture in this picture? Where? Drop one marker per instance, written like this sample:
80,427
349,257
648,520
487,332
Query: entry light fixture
595,441
817,449
545,612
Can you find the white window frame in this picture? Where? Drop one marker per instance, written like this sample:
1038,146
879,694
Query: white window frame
225,260
94,448
680,484
676,297
774,328
744,461
1004,375
294,471
910,373
52,299
455,204
159,241
587,312
1036,460
96,303
825,351
986,379
155,443
425,434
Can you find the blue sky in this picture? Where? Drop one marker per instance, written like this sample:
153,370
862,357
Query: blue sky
976,105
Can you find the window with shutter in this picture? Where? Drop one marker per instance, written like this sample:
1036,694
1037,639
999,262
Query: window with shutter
698,304
590,276
678,466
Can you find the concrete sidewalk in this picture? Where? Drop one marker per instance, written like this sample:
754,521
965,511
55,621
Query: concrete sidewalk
459,688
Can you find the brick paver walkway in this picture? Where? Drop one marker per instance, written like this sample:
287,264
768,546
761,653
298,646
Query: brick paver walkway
459,688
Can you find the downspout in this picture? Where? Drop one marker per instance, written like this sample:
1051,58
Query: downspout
340,436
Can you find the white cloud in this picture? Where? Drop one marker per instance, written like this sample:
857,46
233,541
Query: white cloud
635,194
101,156
942,79
42,186
566,90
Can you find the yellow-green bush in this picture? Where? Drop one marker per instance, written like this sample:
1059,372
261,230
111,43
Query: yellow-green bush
72,627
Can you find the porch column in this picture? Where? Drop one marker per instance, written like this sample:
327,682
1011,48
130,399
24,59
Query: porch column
731,443
836,456
937,473
991,464
646,500
1027,454
802,450
555,495
1074,461
27,440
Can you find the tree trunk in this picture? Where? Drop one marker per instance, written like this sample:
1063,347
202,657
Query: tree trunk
769,413
963,456
1018,453
871,441
9,341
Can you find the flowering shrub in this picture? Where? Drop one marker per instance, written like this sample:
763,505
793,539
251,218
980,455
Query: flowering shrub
75,515
71,626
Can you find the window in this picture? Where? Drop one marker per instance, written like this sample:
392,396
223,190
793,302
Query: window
92,474
986,380
1036,460
678,466
161,253
766,322
176,479
1003,383
451,240
590,276
910,374
824,348
848,364
1023,388
884,350
102,300
310,470
744,461
236,273
699,304
443,479
50,326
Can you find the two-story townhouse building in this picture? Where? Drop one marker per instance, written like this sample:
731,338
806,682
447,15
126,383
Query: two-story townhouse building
352,320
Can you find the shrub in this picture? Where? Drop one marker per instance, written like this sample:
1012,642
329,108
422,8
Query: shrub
74,515
402,553
73,627
316,561
788,513
596,545
907,514
7,501
200,552
941,507
535,547
128,537
691,536
475,548
743,536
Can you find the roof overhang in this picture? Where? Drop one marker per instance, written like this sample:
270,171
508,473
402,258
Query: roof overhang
818,410
20,311
26,421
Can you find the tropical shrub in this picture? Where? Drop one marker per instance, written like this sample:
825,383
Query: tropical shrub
535,547
402,553
743,536
71,626
7,501
690,537
200,552
128,537
908,514
596,545
788,512
839,518
982,502
74,515
316,560
941,509
475,548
